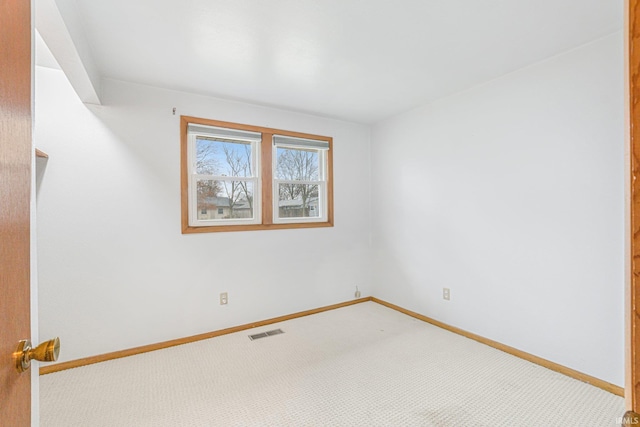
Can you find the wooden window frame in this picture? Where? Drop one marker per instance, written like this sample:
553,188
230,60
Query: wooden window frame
320,182
266,178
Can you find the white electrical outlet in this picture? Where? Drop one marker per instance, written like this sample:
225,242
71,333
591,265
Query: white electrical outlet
357,294
446,294
224,298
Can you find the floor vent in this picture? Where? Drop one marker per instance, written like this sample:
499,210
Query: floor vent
266,334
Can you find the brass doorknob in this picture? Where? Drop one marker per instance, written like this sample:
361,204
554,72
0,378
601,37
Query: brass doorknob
48,351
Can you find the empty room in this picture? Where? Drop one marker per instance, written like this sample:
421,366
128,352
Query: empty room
324,213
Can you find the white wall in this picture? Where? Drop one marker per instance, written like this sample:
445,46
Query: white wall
116,272
511,194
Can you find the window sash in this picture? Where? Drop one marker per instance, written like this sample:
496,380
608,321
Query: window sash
322,204
204,177
263,147
296,181
322,162
256,204
321,182
241,137
193,139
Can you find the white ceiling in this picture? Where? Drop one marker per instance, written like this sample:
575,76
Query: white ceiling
357,60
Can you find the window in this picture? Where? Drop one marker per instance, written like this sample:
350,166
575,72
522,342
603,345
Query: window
238,177
299,183
223,175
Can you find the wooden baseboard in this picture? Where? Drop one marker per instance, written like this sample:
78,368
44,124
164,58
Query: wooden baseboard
158,346
612,388
596,382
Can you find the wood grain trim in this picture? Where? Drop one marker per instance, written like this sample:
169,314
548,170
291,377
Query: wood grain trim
330,183
41,154
16,156
250,227
44,370
251,128
266,178
184,174
633,283
611,388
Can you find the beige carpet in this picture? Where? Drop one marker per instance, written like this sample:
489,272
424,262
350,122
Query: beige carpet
363,365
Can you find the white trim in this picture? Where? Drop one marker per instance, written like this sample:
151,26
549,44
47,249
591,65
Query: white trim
195,131
322,184
295,181
204,177
294,142
224,133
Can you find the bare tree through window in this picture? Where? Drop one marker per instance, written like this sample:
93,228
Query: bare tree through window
238,161
240,177
206,164
297,165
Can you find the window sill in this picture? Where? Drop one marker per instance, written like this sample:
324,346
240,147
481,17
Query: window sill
253,227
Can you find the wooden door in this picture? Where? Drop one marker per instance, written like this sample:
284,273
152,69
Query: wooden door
15,190
632,386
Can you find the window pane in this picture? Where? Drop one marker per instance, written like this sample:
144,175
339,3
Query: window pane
298,201
294,164
223,158
225,199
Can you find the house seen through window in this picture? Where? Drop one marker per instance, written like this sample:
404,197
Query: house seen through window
240,177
